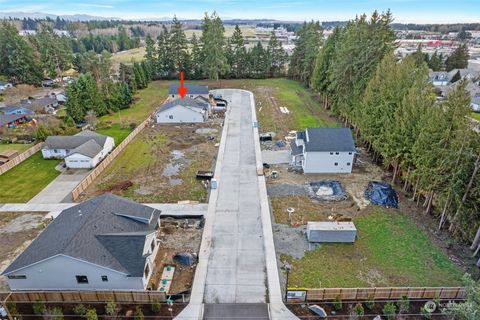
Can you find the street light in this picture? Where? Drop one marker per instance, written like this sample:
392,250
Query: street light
287,268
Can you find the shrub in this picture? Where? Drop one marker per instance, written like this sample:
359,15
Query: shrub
425,313
132,125
389,310
155,307
91,314
359,310
337,304
110,308
56,313
39,307
138,313
80,310
403,305
370,303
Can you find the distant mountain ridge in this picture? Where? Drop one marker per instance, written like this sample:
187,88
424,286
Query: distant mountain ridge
42,15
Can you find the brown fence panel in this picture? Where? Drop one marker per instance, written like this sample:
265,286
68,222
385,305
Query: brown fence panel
20,158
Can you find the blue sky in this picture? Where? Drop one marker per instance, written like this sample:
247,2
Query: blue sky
422,11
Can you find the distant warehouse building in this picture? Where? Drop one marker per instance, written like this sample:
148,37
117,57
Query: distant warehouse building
331,231
183,111
324,150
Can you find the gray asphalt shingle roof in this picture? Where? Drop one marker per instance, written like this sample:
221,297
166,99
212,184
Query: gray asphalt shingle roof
8,118
89,149
191,89
106,231
185,102
72,142
329,140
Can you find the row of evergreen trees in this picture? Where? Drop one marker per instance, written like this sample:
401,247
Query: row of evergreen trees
96,92
458,59
392,108
212,56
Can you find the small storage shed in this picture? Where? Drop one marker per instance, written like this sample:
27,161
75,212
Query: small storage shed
331,231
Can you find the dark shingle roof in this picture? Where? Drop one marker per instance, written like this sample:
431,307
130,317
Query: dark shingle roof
13,108
191,89
296,150
107,230
329,139
89,149
8,118
185,102
72,142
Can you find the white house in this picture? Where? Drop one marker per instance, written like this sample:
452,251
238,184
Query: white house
105,243
324,150
184,110
193,91
440,78
81,151
5,85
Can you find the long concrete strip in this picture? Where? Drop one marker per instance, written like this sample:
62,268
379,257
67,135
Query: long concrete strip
238,259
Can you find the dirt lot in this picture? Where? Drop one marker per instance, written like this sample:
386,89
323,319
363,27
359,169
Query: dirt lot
160,165
177,236
17,231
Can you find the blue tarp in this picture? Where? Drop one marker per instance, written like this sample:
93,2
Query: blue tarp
185,258
382,194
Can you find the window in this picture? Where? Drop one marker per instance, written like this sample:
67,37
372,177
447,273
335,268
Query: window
55,150
104,278
350,153
20,276
82,279
152,246
336,153
331,153
348,163
147,271
170,117
336,163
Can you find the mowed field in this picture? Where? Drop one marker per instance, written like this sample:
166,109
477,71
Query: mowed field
19,147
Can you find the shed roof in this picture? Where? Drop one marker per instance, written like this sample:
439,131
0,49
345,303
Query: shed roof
191,89
107,230
331,225
329,140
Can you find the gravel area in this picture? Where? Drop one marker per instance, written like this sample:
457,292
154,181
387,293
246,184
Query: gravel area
291,241
278,190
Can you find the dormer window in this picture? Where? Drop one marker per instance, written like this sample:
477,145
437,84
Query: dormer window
147,271
152,245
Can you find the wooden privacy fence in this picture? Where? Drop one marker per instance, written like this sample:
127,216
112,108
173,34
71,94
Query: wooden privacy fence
83,185
84,296
20,158
396,293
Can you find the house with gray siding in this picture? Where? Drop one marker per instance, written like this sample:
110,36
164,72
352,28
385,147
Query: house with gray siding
184,110
324,150
106,243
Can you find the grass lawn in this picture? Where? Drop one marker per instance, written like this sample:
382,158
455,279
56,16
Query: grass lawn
117,131
127,56
23,182
390,251
20,147
146,100
476,115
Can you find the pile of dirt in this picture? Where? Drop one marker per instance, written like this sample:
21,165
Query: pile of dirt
120,186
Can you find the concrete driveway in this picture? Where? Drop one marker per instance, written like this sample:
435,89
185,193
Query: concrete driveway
59,190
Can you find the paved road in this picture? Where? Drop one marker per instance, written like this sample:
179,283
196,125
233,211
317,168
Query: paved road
59,190
236,266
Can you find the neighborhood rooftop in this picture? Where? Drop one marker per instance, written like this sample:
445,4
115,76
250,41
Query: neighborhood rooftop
108,231
8,118
185,102
72,142
328,139
89,149
192,89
